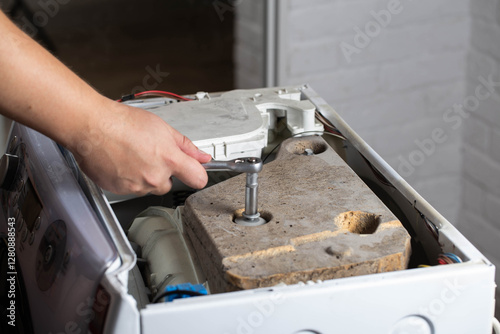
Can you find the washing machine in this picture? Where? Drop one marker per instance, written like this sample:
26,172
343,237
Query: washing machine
346,245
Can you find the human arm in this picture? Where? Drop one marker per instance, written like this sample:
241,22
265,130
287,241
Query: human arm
123,149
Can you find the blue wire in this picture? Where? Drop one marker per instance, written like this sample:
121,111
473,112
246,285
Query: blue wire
453,257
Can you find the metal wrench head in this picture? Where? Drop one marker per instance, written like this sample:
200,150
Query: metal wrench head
239,165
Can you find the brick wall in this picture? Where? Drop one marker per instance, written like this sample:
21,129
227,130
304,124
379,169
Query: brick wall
478,219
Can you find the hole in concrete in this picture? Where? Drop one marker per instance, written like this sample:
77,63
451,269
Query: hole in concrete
266,215
330,251
358,222
306,147
336,253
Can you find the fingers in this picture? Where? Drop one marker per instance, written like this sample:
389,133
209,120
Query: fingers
185,164
189,148
189,170
165,188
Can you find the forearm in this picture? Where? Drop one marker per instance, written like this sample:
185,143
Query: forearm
38,90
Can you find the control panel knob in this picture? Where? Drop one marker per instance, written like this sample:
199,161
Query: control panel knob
8,170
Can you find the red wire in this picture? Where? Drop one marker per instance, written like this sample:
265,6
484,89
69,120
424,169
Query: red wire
162,93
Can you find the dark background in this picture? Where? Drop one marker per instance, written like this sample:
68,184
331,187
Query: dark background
115,44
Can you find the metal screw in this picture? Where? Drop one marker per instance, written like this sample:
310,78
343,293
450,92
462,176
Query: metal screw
252,166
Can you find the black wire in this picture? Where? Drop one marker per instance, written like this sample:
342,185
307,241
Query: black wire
267,156
431,227
380,177
326,122
177,292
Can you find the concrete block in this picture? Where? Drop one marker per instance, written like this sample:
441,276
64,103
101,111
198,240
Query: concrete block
323,223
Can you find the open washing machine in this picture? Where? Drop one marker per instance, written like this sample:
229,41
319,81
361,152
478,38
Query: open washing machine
345,244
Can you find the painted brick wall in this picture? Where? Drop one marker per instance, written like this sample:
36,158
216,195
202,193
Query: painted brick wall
479,220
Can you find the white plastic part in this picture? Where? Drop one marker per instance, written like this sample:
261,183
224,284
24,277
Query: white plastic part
412,324
123,315
236,124
158,231
202,95
437,298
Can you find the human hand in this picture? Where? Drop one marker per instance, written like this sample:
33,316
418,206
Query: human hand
130,150
121,148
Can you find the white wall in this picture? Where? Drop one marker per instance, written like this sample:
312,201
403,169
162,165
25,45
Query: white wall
479,219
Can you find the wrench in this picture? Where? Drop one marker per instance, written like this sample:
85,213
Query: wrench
251,166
